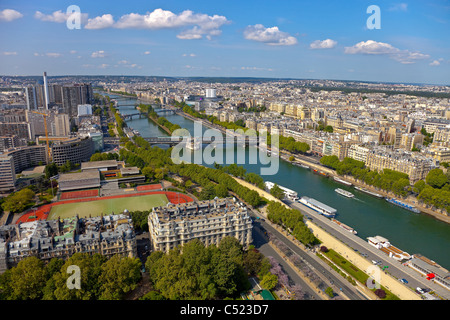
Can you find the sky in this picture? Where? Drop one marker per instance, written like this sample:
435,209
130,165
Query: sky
403,42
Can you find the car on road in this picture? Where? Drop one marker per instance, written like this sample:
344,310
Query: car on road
420,290
404,280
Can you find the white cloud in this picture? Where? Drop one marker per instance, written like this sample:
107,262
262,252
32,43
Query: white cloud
147,52
256,69
271,36
103,66
189,55
381,48
53,54
202,24
10,53
435,63
98,54
324,44
59,16
105,21
10,15
399,7
73,51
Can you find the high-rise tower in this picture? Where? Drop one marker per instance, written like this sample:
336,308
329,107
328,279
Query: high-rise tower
46,91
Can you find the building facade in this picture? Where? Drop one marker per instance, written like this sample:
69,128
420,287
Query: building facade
107,235
414,165
209,221
7,173
74,150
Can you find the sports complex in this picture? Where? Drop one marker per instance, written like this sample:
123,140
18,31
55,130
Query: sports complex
88,203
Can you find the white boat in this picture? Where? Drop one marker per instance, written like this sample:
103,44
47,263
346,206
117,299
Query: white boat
290,194
342,181
384,245
344,226
380,196
300,165
318,206
344,193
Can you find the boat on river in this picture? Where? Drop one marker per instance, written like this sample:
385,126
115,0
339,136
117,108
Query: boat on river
349,184
345,193
318,206
403,205
377,195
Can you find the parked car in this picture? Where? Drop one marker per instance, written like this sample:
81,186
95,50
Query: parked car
403,280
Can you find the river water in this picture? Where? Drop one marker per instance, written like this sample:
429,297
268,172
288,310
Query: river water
413,233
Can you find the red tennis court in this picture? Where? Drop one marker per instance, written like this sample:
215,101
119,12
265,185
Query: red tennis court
156,186
79,194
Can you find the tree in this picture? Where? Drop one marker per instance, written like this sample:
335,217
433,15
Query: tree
329,291
28,279
119,275
419,186
91,269
380,293
51,170
18,201
252,261
221,191
153,295
436,178
277,192
269,281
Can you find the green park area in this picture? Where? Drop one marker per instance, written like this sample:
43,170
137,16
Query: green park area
107,206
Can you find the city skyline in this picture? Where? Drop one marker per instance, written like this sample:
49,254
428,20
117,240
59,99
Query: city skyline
298,40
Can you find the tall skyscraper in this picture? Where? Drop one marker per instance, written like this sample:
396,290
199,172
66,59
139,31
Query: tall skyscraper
74,95
47,101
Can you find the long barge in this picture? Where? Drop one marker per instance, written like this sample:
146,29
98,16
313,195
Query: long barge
402,205
344,226
320,173
377,195
349,184
318,206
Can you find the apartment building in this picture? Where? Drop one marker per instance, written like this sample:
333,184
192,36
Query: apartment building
106,235
7,173
27,156
209,221
416,166
358,152
410,140
75,150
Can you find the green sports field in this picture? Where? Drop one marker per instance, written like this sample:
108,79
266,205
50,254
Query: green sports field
108,206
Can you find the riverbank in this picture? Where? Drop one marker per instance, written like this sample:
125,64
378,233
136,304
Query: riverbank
316,165
332,173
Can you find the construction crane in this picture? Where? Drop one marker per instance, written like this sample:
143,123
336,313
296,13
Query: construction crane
46,134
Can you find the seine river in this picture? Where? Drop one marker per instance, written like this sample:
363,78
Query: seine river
413,233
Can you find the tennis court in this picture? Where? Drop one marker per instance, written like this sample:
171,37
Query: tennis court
107,206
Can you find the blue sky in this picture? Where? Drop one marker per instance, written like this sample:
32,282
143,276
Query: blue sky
277,39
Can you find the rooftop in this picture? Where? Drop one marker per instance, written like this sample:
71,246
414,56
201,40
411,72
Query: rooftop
88,174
